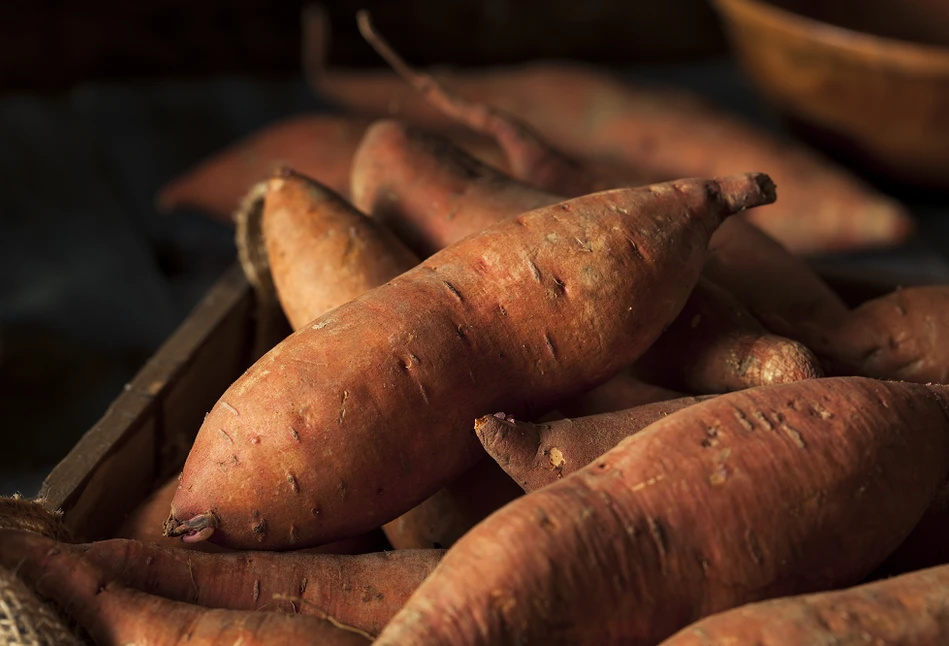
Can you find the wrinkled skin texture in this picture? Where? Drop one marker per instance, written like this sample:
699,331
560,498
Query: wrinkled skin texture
303,449
656,134
715,346
363,590
115,615
911,610
536,455
903,335
762,493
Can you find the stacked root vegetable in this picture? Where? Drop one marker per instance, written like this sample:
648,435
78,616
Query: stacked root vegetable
585,408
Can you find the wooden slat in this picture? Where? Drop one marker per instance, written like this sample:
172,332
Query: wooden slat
138,410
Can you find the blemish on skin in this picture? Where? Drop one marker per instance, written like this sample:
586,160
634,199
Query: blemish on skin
556,458
294,434
320,325
743,420
633,247
315,511
659,537
293,533
226,436
647,483
550,346
794,434
293,483
342,407
256,590
229,408
454,291
502,601
704,563
473,379
719,476
763,419
303,585
260,528
502,310
751,542
584,246
535,272
424,392
255,439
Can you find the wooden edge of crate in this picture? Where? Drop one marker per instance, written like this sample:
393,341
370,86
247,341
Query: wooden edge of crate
138,406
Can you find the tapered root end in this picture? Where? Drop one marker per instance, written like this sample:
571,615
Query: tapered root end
745,191
491,430
196,529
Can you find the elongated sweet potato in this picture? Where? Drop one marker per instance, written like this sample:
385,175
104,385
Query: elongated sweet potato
536,455
902,335
432,194
318,145
656,133
761,493
117,615
910,610
429,191
715,345
322,252
363,591
303,449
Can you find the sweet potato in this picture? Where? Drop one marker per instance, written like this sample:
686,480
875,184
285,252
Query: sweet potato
898,336
145,524
304,450
429,191
117,615
535,455
927,545
432,194
910,610
619,393
317,145
322,252
715,345
761,493
656,134
363,591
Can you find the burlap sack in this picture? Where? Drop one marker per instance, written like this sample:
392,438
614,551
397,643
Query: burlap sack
25,619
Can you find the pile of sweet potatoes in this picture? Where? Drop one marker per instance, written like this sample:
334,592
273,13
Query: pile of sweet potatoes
583,408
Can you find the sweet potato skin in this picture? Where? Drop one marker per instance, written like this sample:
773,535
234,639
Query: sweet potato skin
115,615
452,326
691,517
322,251
715,345
898,336
363,590
619,393
318,145
657,134
910,610
430,192
536,455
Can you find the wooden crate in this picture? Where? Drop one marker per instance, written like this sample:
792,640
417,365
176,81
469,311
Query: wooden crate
144,436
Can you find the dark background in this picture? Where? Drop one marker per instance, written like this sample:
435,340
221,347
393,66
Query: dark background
101,104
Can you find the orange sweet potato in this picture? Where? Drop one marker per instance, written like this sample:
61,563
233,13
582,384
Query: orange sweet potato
910,610
432,194
323,253
363,591
145,524
115,615
715,345
303,449
317,145
536,455
902,335
655,133
619,393
765,492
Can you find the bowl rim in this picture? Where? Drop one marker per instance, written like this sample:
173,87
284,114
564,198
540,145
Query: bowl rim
890,51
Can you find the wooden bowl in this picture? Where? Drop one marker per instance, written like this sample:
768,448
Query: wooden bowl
867,80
